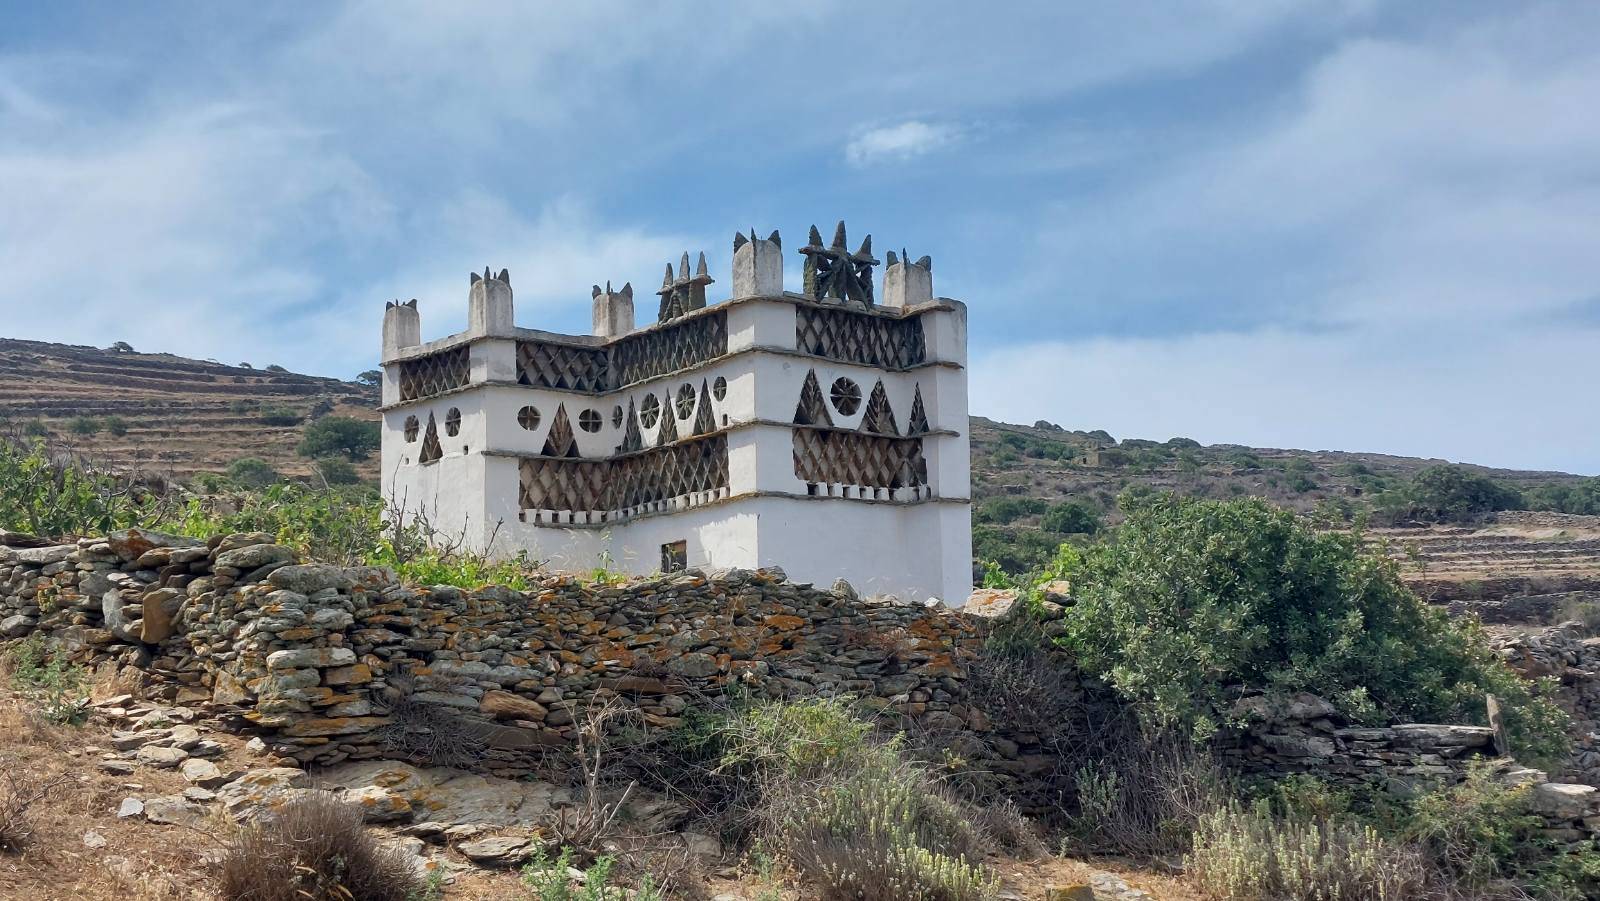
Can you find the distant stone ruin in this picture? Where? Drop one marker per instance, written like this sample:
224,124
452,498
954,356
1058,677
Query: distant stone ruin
825,432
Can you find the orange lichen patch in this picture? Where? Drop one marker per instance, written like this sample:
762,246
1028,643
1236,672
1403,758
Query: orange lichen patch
784,623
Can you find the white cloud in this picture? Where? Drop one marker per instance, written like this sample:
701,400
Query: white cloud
902,141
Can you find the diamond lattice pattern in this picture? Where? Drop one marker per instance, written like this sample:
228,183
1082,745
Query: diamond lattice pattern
853,337
434,374
654,475
833,456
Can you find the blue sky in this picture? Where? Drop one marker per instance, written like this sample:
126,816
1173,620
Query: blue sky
1345,225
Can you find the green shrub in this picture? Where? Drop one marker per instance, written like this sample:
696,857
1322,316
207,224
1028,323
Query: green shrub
252,472
1485,835
116,425
57,495
1004,510
1071,517
355,439
1194,598
84,425
43,673
1246,854
340,526
35,428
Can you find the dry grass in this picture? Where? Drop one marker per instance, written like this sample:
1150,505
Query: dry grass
313,848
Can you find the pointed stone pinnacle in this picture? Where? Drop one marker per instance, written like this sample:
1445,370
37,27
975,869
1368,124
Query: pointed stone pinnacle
926,262
474,278
892,258
739,240
816,237
627,290
776,241
700,267
595,292
838,236
683,267
608,286
667,281
866,248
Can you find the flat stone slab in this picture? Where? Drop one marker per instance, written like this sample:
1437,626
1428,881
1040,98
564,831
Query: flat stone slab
439,794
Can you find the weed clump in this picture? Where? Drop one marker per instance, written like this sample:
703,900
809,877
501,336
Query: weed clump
314,848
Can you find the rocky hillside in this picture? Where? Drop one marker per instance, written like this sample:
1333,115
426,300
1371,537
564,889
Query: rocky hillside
174,415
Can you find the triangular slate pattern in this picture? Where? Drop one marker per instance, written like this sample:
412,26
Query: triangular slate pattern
704,421
879,418
560,441
919,416
812,409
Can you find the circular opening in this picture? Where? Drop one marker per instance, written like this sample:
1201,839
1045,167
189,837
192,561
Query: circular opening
411,428
685,401
616,416
528,418
589,420
649,411
846,396
452,422
719,388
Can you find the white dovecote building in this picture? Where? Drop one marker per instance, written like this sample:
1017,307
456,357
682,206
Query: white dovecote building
824,432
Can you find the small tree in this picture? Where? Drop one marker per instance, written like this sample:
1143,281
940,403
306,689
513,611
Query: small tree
274,367
353,438
116,425
372,378
1451,493
84,425
121,347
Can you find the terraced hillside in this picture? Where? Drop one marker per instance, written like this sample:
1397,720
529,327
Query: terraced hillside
178,415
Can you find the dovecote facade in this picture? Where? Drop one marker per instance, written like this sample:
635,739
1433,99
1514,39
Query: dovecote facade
824,432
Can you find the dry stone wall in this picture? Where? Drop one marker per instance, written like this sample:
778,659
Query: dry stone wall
324,662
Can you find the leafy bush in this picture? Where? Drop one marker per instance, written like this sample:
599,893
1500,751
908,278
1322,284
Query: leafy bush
1246,854
1014,551
84,425
1484,835
1193,598
1577,497
1071,517
252,472
43,673
548,880
340,526
314,846
116,425
353,438
56,494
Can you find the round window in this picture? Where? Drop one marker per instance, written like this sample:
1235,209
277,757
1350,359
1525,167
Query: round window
719,388
452,422
412,426
589,420
685,401
649,411
846,396
528,418
616,416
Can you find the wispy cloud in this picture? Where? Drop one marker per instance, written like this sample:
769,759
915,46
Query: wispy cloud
901,141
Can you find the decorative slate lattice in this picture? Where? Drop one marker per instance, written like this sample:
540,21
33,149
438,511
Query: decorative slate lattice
660,474
452,422
660,351
412,427
434,374
856,337
704,421
562,366
919,416
846,396
560,442
879,418
631,439
831,456
685,401
637,357
649,411
669,428
431,450
811,410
